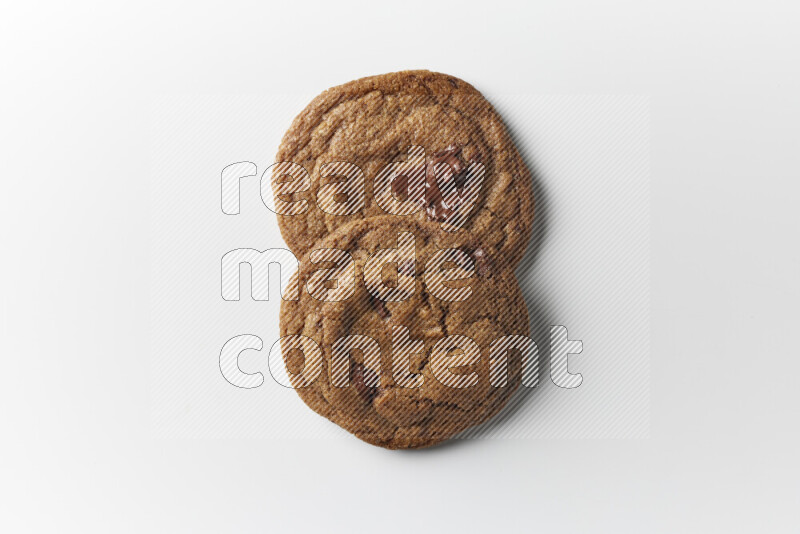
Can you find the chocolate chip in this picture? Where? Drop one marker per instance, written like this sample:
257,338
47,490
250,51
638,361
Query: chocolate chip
483,263
434,199
381,308
360,376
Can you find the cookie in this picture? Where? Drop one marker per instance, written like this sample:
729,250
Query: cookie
438,128
379,365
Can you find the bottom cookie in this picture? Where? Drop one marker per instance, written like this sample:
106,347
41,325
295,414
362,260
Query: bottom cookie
402,360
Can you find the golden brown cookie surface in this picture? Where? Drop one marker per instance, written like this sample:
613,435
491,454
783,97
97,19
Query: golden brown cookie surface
399,391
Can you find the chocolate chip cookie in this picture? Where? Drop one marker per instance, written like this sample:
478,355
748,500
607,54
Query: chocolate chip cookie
405,335
438,129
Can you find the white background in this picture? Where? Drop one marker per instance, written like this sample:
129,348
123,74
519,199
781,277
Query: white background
77,450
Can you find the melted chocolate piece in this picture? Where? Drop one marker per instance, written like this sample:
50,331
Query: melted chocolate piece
434,199
381,308
360,375
483,263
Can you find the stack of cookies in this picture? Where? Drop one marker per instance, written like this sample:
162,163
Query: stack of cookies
409,207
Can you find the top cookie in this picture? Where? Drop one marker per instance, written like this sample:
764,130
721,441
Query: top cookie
376,121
